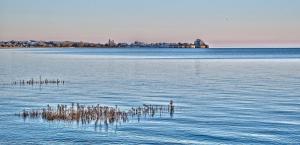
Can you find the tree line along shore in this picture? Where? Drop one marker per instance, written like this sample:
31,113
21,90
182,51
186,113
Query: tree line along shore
110,44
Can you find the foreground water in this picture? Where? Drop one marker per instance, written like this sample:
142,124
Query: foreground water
228,96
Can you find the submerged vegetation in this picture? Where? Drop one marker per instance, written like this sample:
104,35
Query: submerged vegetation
96,114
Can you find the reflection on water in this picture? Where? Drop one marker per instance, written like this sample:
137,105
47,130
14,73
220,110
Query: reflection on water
230,96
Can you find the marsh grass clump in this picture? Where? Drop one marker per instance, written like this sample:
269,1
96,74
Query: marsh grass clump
97,114
39,81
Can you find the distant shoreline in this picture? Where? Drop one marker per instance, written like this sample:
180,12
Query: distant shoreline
149,47
92,47
110,44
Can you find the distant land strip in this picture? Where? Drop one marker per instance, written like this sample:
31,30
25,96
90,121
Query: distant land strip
110,44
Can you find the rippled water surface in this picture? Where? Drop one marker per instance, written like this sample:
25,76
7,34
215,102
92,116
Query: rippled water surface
228,96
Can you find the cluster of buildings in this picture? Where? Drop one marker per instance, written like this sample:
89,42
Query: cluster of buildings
110,44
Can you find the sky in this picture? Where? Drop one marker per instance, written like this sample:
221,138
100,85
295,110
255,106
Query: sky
221,23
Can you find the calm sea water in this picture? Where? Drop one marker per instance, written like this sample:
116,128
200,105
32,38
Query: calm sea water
222,96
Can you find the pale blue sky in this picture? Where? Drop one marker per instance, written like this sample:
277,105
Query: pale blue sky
220,22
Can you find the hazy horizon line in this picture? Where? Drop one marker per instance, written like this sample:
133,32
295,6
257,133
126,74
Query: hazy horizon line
214,44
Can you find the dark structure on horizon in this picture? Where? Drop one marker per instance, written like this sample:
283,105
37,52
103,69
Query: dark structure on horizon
200,44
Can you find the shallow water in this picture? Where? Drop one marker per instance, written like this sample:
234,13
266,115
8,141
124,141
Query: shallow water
228,96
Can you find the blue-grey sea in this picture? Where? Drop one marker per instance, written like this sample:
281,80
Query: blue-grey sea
221,96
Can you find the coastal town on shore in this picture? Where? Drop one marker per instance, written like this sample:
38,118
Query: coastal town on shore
198,43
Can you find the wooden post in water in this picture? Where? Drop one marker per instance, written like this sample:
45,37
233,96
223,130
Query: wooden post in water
171,108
